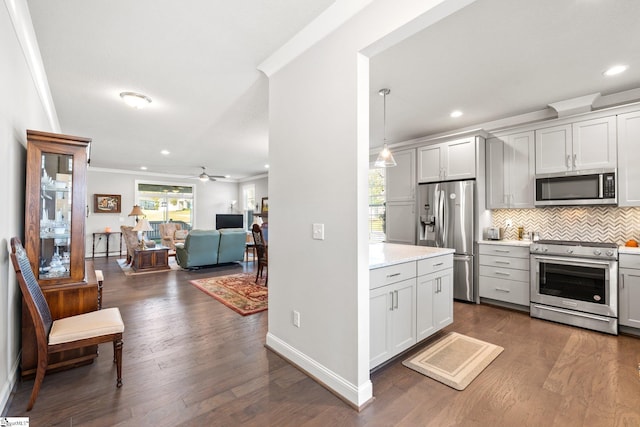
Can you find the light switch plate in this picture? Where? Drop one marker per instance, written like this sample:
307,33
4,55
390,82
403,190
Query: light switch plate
318,231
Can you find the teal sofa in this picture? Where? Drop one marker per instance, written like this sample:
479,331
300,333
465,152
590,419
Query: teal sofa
211,247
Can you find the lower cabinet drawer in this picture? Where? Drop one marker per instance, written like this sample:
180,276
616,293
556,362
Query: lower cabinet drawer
391,274
431,265
505,273
505,262
504,290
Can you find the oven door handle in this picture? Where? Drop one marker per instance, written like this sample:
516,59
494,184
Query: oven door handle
572,261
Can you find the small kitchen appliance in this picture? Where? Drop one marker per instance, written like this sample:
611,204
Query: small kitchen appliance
495,233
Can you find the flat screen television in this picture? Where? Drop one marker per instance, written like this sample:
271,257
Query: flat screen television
229,221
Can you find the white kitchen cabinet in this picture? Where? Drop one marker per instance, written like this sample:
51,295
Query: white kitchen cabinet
447,161
434,299
392,320
400,222
629,159
629,291
510,171
589,144
401,305
504,273
401,179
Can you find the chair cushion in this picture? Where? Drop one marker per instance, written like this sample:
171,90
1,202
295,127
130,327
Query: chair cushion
87,325
181,234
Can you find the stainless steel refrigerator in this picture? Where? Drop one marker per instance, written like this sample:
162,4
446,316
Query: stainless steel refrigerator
446,220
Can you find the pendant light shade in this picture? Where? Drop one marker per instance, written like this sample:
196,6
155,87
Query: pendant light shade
385,158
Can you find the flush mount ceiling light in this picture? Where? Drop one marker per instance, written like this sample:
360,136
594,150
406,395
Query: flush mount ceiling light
165,152
616,69
135,100
456,113
385,158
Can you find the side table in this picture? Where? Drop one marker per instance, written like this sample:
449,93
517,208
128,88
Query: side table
151,259
107,235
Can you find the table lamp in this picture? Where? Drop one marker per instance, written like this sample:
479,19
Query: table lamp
136,211
144,226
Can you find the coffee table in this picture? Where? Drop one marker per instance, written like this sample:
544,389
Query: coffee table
151,259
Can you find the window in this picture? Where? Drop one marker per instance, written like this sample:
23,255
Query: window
376,205
163,202
249,203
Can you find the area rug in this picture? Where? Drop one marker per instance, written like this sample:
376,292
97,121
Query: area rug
128,271
239,292
454,360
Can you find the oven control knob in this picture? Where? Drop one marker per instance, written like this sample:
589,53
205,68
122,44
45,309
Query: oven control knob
570,250
597,252
545,249
609,252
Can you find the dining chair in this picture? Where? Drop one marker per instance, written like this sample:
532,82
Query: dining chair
261,250
54,336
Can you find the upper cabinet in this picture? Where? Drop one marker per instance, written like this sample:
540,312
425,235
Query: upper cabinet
510,171
629,159
401,179
589,144
447,161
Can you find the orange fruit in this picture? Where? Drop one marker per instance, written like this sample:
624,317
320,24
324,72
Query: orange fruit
631,243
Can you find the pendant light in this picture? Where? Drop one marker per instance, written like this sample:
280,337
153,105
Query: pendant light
385,158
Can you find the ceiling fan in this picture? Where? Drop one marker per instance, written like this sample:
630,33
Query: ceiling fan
204,176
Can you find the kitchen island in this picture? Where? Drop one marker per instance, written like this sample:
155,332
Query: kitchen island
411,297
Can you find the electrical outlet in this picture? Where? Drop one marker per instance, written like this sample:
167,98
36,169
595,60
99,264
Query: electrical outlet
318,231
296,318
509,223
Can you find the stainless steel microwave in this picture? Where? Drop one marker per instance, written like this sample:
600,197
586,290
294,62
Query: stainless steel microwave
588,187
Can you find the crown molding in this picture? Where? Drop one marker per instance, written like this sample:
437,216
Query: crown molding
23,27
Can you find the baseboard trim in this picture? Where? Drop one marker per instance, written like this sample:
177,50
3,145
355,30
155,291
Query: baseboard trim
9,385
356,397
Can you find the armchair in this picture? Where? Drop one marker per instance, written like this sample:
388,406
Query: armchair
132,242
172,233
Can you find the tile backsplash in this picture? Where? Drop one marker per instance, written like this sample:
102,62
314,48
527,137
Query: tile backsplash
593,223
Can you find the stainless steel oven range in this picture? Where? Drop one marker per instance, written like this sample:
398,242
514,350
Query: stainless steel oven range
575,283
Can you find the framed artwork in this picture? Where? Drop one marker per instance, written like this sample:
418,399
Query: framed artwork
265,205
107,203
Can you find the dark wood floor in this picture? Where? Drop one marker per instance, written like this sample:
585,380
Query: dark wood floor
189,360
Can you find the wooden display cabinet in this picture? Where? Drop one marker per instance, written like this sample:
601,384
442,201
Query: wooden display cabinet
55,204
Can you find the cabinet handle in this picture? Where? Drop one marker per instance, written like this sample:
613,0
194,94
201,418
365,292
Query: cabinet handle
502,273
568,161
503,290
438,264
393,275
396,304
503,262
575,156
502,251
391,308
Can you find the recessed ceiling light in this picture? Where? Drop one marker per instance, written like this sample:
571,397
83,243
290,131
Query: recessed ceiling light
616,69
227,176
135,100
165,152
266,166
144,168
456,113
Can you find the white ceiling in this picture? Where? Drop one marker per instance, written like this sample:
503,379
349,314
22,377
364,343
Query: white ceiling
501,58
198,61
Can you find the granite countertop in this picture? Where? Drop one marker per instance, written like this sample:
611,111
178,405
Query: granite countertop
385,254
507,242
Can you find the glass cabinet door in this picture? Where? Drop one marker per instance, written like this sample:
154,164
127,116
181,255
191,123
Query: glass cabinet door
56,184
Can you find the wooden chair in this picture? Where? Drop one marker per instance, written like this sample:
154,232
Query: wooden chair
261,250
54,336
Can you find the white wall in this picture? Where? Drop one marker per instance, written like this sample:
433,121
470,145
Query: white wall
318,153
211,198
20,109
